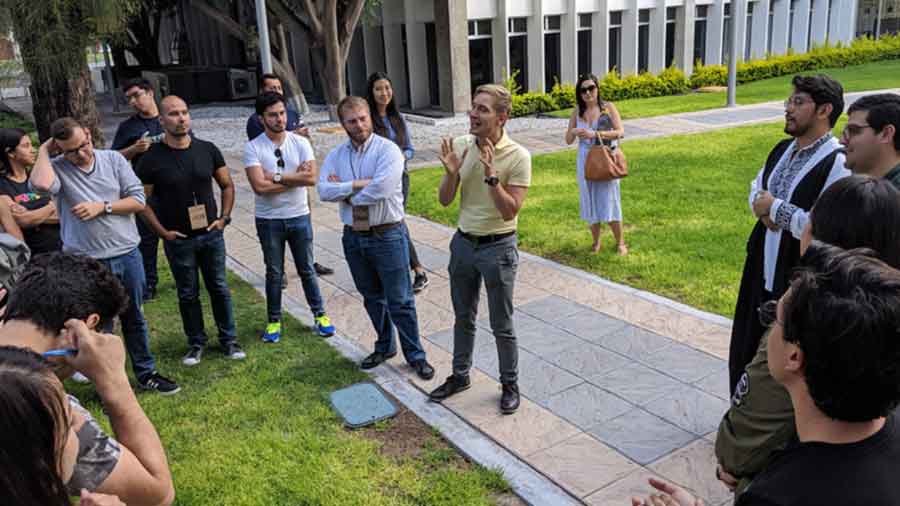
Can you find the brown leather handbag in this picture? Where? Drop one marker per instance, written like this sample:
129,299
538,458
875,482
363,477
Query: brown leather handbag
605,163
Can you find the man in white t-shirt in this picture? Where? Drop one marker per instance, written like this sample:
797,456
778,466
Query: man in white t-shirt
280,165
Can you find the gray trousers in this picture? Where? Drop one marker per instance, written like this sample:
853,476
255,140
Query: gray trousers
496,264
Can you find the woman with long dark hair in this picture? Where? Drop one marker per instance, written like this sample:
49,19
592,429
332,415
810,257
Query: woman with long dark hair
388,122
34,212
38,447
596,120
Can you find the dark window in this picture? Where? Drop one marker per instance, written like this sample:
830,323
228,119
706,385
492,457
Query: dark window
552,23
748,32
615,48
471,28
671,13
700,40
644,16
434,90
484,27
551,60
584,21
584,52
643,40
701,11
518,25
670,43
615,18
518,59
480,61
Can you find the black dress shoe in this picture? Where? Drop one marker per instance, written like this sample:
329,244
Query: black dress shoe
321,270
509,400
375,359
423,369
453,385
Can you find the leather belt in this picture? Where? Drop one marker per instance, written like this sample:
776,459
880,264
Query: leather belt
481,240
384,227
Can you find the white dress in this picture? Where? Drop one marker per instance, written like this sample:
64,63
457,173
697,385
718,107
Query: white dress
600,200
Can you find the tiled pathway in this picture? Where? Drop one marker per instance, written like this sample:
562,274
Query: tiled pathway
618,384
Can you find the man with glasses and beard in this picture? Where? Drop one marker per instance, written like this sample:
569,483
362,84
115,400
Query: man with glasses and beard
134,136
179,172
97,195
280,166
796,172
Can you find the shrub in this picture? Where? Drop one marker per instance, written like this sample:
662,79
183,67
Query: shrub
563,95
531,103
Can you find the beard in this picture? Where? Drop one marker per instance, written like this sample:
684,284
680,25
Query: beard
275,128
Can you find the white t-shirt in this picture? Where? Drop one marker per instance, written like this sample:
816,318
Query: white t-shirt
294,151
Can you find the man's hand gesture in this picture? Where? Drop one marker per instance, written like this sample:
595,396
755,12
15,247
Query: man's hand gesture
449,158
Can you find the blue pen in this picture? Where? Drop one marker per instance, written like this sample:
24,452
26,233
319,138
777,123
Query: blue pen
60,353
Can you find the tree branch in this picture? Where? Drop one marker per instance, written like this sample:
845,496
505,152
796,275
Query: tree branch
351,18
314,21
229,25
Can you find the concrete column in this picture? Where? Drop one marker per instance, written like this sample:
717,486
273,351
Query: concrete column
629,38
715,21
568,44
536,48
760,36
801,26
656,57
417,57
843,20
452,38
374,48
600,40
684,37
819,22
739,25
781,18
500,41
394,59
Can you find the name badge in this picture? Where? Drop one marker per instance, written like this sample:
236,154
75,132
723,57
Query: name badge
361,218
197,215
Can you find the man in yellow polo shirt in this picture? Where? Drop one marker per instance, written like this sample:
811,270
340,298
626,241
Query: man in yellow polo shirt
492,174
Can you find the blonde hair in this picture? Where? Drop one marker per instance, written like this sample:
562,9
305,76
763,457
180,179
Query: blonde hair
351,103
502,96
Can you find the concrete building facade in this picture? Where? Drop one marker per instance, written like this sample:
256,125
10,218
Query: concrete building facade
437,51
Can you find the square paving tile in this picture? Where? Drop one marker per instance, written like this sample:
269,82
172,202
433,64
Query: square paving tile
694,467
642,437
552,308
716,384
542,338
588,360
539,379
634,484
636,383
683,362
633,342
582,464
586,405
444,338
691,409
591,325
486,358
529,430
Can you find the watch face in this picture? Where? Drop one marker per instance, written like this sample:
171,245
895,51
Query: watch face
277,177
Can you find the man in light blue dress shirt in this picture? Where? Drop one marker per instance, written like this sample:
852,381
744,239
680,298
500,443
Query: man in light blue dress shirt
364,176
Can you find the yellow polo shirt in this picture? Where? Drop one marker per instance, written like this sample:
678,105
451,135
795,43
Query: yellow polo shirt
477,213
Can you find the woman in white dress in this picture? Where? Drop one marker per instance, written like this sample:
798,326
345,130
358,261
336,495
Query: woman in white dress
596,120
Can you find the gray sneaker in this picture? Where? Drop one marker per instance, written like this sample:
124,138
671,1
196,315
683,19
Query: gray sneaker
193,357
234,352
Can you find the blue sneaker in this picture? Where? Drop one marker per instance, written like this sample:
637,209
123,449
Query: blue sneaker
272,333
324,326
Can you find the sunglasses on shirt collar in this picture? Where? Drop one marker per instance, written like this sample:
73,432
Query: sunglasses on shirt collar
280,159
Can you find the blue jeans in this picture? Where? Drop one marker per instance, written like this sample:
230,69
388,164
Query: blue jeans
379,263
187,257
129,268
298,234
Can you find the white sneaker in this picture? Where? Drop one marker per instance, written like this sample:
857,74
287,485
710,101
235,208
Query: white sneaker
77,377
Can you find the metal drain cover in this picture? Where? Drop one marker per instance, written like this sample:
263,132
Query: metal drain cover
362,404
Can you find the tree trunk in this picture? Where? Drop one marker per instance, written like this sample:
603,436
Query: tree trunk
75,98
285,69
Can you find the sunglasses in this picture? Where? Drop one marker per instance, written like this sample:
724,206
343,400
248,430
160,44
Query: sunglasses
280,159
768,314
588,89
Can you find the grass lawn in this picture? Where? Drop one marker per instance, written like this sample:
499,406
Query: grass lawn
871,76
684,204
261,432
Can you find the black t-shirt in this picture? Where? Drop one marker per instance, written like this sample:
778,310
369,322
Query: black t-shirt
181,178
856,474
132,129
43,238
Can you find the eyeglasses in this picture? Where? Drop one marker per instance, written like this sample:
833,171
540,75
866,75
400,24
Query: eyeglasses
280,159
853,130
796,101
134,96
70,152
588,89
768,314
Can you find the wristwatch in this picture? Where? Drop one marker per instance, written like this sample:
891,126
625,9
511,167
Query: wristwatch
107,207
277,177
226,219
492,180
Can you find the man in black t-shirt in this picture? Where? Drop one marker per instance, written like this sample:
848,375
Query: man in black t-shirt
133,138
834,344
179,172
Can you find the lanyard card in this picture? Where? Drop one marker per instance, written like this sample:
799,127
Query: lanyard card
361,218
197,215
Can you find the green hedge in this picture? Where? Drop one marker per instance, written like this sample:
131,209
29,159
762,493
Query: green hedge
860,51
672,81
